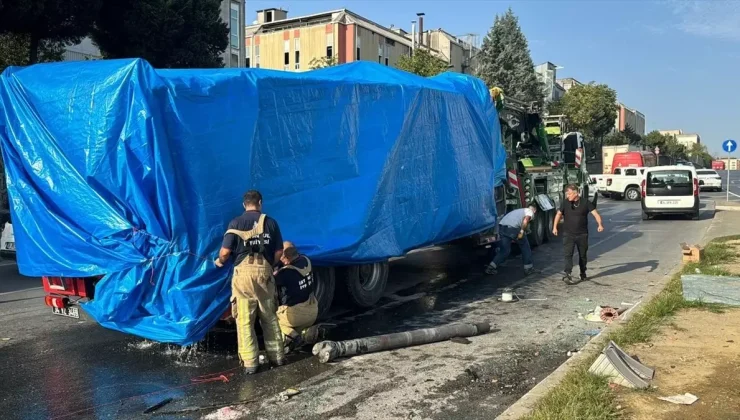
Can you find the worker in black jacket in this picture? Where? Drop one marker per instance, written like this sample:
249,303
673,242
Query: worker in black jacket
298,306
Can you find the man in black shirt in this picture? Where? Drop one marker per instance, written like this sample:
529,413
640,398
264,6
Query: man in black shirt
574,210
256,244
298,305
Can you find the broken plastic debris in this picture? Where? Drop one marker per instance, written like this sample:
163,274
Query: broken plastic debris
621,369
6,338
685,399
288,394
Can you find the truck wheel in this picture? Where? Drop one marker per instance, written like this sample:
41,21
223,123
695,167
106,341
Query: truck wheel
325,279
550,216
366,283
537,233
632,194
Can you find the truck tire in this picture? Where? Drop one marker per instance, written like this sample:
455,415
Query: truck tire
550,217
325,278
632,194
536,235
366,283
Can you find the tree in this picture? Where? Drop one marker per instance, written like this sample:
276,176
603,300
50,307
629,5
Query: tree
631,135
616,138
322,62
45,23
167,33
505,61
423,63
14,51
591,109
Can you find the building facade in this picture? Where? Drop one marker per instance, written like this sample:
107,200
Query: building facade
458,52
629,117
85,50
688,139
233,13
277,41
547,74
568,83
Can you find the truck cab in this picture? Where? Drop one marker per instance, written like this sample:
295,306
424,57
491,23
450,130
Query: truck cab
625,183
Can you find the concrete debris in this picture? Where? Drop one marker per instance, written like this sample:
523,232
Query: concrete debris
328,351
711,289
460,340
621,369
288,394
685,399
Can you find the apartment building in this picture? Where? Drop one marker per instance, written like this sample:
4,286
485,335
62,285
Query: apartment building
547,74
85,50
459,52
277,41
568,83
687,139
629,117
234,14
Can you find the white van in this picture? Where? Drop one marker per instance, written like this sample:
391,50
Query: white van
670,190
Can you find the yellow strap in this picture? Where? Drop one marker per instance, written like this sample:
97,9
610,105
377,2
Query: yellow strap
303,271
246,235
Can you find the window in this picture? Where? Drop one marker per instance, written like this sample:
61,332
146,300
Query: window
386,61
631,172
234,26
234,60
297,47
286,54
617,171
257,56
249,62
359,43
330,45
268,16
380,52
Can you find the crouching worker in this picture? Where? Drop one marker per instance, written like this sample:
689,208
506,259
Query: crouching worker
512,228
256,244
298,305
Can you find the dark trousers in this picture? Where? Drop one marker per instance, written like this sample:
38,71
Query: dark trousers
570,242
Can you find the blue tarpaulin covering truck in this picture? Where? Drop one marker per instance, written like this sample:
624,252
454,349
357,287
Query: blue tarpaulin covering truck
122,178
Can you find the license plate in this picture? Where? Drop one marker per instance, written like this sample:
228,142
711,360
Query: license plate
668,202
71,312
10,246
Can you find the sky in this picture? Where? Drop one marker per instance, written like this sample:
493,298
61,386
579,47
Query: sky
677,62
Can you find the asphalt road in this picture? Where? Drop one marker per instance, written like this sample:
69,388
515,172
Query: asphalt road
734,189
54,367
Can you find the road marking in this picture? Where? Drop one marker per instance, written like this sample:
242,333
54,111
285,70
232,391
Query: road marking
21,291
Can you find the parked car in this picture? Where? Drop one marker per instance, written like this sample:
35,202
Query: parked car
709,179
625,183
670,190
598,183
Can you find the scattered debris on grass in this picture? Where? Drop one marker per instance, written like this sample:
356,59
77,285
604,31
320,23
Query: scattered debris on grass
685,399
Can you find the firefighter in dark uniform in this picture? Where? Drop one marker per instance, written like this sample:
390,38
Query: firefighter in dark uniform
298,305
256,244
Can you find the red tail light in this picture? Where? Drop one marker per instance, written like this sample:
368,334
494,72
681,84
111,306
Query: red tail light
642,188
56,302
696,187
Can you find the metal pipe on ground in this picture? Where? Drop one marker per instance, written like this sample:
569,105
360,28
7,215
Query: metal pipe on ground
328,351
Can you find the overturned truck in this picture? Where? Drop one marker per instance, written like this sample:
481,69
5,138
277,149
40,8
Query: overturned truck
123,178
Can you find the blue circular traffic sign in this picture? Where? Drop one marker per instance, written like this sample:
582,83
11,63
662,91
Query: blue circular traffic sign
729,145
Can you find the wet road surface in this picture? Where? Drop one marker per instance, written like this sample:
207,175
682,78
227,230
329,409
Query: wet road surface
54,367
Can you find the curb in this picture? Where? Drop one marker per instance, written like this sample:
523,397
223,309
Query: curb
526,404
727,208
